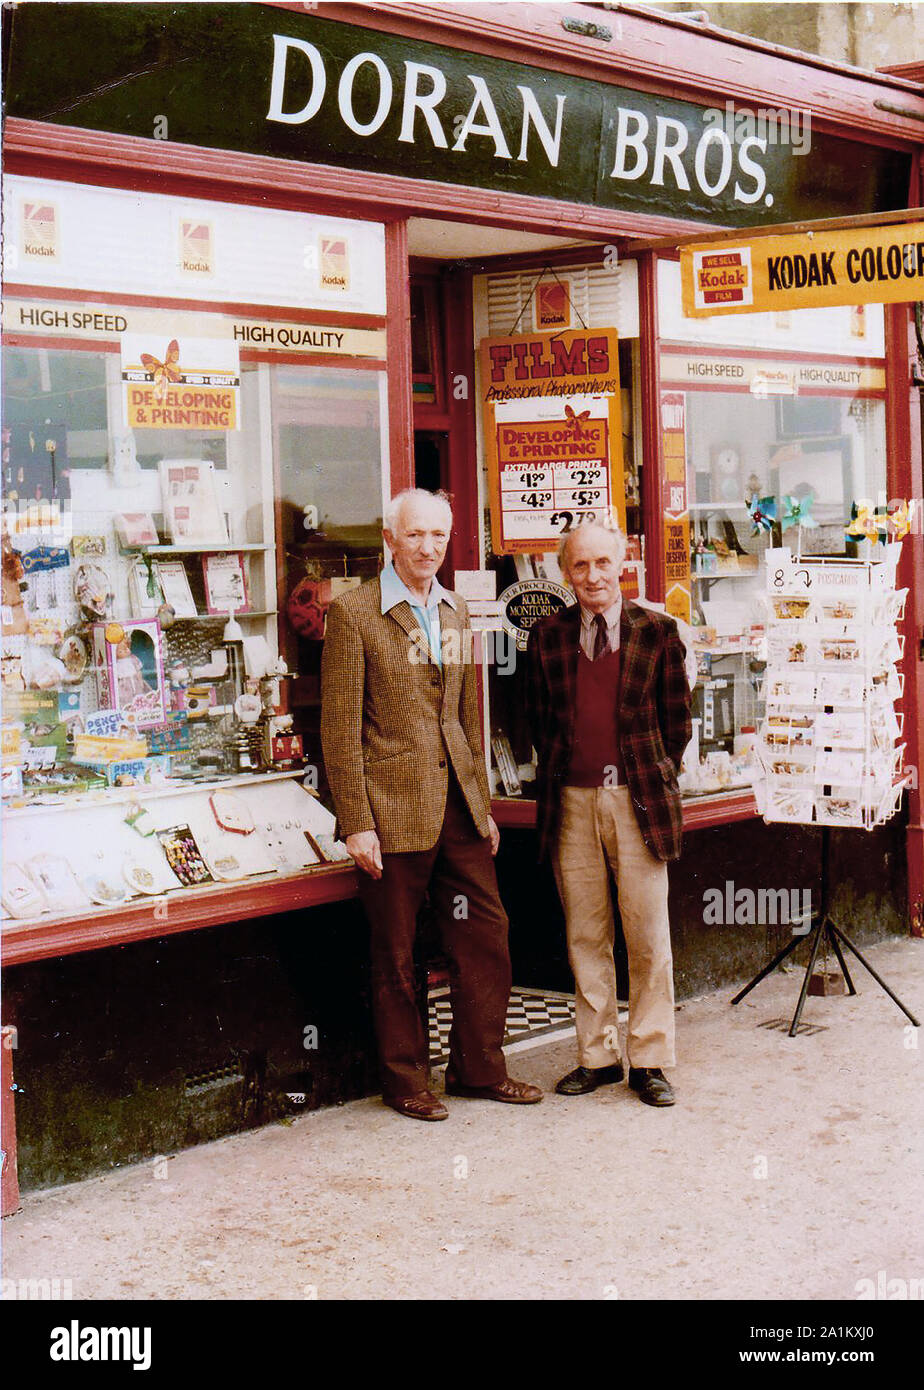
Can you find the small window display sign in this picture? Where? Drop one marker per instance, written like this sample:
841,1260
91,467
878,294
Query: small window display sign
180,383
225,583
525,602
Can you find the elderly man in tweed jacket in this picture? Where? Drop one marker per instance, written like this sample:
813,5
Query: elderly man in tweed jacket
609,710
404,760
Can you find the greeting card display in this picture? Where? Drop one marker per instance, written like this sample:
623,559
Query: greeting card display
130,671
191,506
225,583
135,529
174,585
829,741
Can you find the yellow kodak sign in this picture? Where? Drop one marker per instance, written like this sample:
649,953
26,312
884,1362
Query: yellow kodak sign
805,270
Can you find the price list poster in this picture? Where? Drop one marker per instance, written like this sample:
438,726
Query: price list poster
553,435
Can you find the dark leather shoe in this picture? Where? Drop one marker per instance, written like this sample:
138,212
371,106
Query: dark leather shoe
423,1105
508,1090
652,1085
584,1079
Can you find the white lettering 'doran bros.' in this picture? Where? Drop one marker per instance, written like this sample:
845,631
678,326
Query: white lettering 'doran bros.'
660,151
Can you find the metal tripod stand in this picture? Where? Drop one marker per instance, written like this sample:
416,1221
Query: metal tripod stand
823,929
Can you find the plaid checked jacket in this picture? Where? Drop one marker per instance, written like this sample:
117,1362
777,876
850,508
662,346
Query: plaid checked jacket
392,721
653,718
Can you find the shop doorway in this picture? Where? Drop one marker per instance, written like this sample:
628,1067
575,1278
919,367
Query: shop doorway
448,269
431,471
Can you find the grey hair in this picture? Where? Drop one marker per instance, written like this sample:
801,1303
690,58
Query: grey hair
393,508
610,526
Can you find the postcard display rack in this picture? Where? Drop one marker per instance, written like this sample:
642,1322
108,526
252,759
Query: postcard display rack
829,749
829,745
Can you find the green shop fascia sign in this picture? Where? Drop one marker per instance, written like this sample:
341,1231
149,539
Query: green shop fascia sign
268,80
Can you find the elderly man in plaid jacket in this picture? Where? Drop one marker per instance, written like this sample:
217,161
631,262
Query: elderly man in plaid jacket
609,709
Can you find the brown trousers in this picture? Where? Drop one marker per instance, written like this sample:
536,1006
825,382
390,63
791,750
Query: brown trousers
459,873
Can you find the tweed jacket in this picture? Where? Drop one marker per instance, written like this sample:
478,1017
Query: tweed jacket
653,718
392,722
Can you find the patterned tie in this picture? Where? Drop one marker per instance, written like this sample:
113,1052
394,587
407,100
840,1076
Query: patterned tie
600,642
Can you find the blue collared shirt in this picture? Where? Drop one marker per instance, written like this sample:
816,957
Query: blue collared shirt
394,591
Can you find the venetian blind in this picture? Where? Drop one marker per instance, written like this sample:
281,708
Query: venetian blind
603,297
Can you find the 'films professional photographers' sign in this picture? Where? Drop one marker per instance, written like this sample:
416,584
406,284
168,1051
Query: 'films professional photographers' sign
552,434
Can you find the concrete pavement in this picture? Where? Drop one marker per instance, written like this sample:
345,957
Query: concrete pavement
789,1169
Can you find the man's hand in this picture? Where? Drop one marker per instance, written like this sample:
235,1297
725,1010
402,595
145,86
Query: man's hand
366,852
492,831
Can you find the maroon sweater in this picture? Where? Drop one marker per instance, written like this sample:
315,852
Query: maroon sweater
595,747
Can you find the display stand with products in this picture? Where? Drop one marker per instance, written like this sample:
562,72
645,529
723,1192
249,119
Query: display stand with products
828,745
133,844
143,687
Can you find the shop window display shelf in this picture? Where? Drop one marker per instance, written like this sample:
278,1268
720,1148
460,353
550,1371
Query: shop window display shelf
699,813
177,909
183,909
222,548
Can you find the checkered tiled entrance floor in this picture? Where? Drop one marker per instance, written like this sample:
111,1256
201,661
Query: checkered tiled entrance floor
530,1014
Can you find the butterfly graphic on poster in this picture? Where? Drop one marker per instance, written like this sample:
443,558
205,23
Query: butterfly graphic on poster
164,372
574,422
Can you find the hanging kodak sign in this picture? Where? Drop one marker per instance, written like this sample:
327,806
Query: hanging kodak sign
805,270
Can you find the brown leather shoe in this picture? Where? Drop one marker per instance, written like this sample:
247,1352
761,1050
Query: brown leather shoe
423,1105
513,1092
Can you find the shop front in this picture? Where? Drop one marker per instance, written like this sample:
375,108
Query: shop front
266,265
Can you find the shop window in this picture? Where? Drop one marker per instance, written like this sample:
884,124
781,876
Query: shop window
100,544
184,491
327,427
773,425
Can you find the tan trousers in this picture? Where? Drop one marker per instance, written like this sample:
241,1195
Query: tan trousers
599,833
